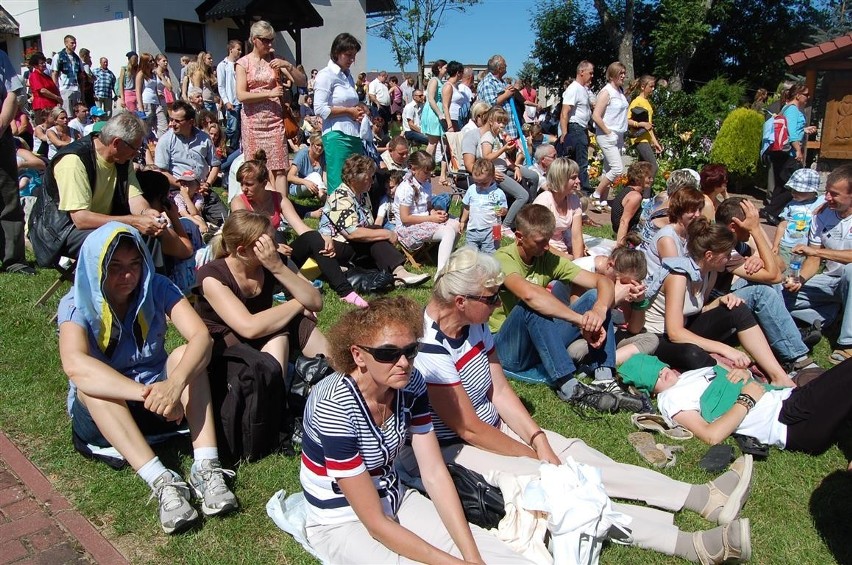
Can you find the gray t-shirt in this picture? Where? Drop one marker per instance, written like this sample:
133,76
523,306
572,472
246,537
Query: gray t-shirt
470,142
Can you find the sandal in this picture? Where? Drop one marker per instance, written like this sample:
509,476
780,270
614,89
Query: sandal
656,423
840,355
644,444
670,452
729,553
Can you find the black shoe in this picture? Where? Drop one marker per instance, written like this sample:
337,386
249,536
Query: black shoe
599,400
626,401
19,268
769,218
811,335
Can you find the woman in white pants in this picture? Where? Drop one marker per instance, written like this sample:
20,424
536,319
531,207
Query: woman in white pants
610,117
482,425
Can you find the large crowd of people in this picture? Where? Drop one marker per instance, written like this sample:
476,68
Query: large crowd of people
158,192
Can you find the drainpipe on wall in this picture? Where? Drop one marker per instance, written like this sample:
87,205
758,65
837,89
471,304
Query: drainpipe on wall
132,17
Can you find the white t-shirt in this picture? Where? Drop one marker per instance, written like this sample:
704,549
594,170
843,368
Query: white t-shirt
456,103
577,96
418,204
483,204
380,91
496,143
411,112
831,231
761,422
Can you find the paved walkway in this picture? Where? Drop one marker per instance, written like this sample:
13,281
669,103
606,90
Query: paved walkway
39,525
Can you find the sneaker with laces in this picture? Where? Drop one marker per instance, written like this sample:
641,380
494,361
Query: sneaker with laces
176,513
626,401
208,481
591,398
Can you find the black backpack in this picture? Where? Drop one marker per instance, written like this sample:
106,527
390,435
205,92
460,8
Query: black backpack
249,403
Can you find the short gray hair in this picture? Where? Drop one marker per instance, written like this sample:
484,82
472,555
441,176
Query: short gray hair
681,178
542,151
494,62
125,126
468,272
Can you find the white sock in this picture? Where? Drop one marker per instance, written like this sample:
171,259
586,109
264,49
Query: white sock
203,453
596,196
151,471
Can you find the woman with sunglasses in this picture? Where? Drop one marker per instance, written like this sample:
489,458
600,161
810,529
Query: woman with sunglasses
481,423
259,76
356,422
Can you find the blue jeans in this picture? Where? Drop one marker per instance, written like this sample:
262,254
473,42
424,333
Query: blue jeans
578,137
822,298
772,316
416,137
232,128
482,240
527,338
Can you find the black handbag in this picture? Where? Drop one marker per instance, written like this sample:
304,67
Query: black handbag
368,281
482,503
306,373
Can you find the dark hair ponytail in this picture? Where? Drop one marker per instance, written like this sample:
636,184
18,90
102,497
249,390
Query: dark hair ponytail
704,236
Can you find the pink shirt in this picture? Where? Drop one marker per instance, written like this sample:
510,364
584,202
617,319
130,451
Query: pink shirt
562,234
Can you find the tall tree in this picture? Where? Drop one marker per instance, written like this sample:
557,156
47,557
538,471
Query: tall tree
415,26
617,21
681,27
564,36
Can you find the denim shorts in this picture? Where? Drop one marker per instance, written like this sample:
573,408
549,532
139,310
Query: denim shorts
149,423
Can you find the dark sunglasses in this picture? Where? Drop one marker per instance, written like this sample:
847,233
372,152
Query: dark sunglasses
490,299
391,353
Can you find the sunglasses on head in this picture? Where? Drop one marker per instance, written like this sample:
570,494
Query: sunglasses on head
392,353
490,299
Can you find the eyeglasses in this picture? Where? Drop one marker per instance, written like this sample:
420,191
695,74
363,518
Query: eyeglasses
266,39
490,299
134,149
392,353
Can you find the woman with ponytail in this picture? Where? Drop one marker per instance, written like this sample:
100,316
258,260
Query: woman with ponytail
690,329
259,196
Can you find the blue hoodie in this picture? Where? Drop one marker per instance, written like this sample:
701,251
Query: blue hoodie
134,346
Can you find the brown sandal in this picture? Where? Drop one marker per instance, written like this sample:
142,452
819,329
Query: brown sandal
645,445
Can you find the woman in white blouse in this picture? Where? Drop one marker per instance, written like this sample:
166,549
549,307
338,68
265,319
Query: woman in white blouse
336,102
610,117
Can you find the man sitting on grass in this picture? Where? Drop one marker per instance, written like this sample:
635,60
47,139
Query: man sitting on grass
535,323
125,386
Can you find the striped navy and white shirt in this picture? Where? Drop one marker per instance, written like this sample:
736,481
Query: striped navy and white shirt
342,440
445,361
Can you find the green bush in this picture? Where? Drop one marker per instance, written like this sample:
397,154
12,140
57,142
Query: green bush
738,144
686,123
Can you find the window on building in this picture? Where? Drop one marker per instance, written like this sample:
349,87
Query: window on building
184,37
32,44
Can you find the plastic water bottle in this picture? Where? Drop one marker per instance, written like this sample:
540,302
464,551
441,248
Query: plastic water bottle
796,265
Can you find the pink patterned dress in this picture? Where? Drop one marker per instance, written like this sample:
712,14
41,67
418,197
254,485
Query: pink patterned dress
263,121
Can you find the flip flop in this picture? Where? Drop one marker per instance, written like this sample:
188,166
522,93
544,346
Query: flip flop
840,355
644,444
656,423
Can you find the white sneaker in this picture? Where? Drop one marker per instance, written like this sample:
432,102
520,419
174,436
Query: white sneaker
176,513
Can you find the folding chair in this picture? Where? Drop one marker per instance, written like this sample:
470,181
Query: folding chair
411,256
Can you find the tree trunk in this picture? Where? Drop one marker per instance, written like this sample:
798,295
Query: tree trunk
683,60
621,40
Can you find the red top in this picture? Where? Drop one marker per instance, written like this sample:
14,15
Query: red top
39,80
276,206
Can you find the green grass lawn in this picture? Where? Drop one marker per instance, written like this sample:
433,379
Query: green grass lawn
800,507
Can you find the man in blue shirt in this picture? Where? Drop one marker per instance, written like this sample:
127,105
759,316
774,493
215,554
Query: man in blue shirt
104,86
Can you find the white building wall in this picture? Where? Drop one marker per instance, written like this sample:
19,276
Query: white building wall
104,27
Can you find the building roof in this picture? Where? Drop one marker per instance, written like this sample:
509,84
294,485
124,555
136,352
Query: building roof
289,15
837,49
293,14
8,24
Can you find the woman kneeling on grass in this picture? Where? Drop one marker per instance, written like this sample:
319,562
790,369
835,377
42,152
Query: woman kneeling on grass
482,424
124,385
713,403
356,422
236,291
